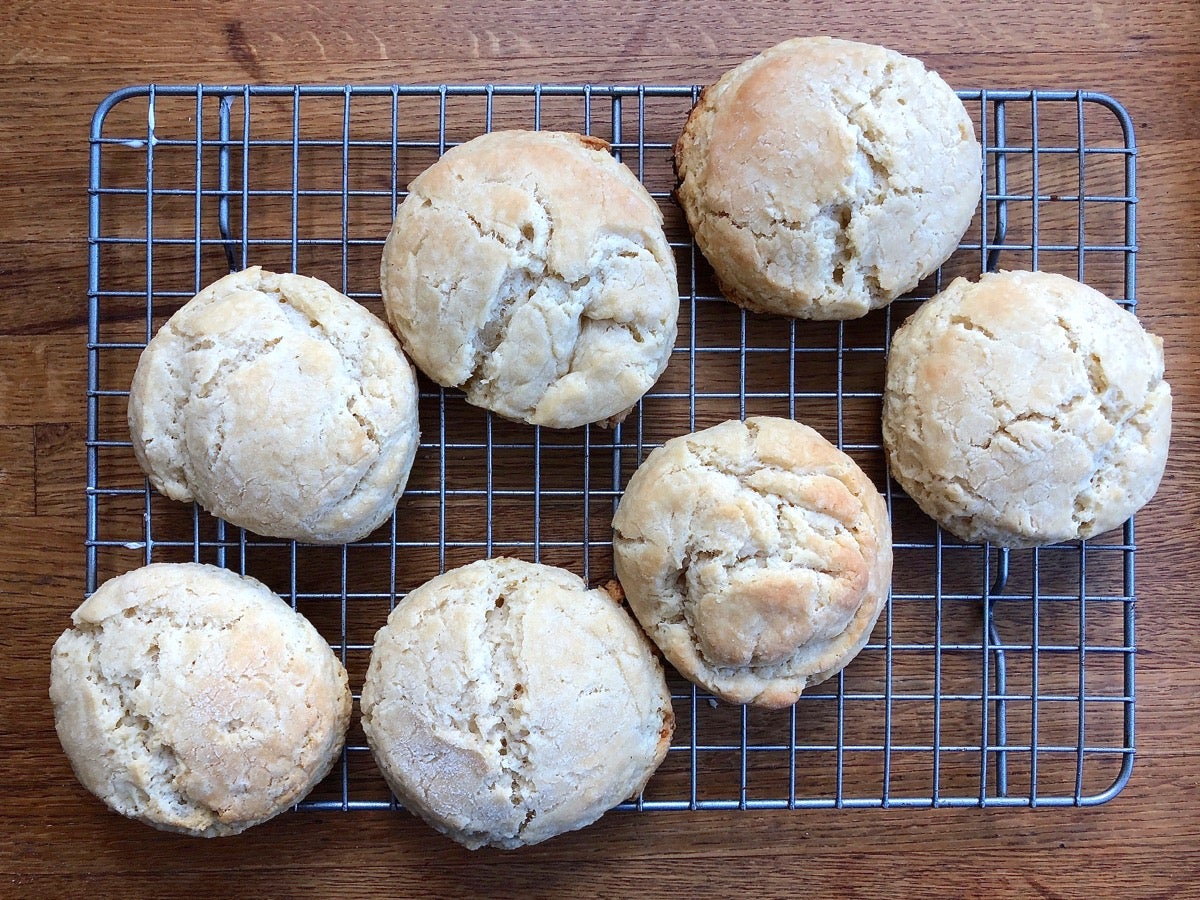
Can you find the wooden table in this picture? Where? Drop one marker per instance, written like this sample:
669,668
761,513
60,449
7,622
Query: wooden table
59,60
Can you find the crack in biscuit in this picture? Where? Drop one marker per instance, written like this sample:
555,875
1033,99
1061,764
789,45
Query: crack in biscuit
165,769
1113,413
510,734
1115,410
966,323
1052,422
537,277
492,334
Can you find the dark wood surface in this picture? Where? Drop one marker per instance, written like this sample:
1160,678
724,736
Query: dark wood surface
56,63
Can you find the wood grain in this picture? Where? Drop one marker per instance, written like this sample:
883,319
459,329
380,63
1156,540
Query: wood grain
59,60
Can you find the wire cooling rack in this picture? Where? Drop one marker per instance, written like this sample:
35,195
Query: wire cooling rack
992,679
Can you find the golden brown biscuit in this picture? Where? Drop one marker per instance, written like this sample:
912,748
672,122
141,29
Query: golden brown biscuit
824,178
531,270
195,700
1026,409
756,555
507,703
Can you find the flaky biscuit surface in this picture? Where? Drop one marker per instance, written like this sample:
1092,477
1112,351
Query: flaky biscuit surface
824,178
756,555
506,703
531,270
1025,409
196,700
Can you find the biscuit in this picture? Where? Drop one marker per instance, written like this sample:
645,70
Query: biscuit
531,270
824,178
195,700
1026,409
756,555
506,703
279,405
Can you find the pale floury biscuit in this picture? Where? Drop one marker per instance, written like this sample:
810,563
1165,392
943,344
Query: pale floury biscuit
756,555
824,178
531,270
279,405
1026,409
196,700
507,703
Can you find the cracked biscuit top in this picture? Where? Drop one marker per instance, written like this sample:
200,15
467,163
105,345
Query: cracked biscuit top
756,555
824,178
1026,409
195,700
506,703
280,405
531,270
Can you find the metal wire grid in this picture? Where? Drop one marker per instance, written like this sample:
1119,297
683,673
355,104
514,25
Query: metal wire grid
992,679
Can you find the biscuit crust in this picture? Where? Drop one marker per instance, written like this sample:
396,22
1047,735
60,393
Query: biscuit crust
195,700
824,178
756,555
506,703
1026,409
279,405
531,270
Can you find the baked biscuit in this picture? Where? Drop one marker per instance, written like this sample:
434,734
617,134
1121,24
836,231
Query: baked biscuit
756,555
280,405
824,178
531,270
195,700
507,703
1026,409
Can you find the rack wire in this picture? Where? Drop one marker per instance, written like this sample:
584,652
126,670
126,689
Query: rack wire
993,678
